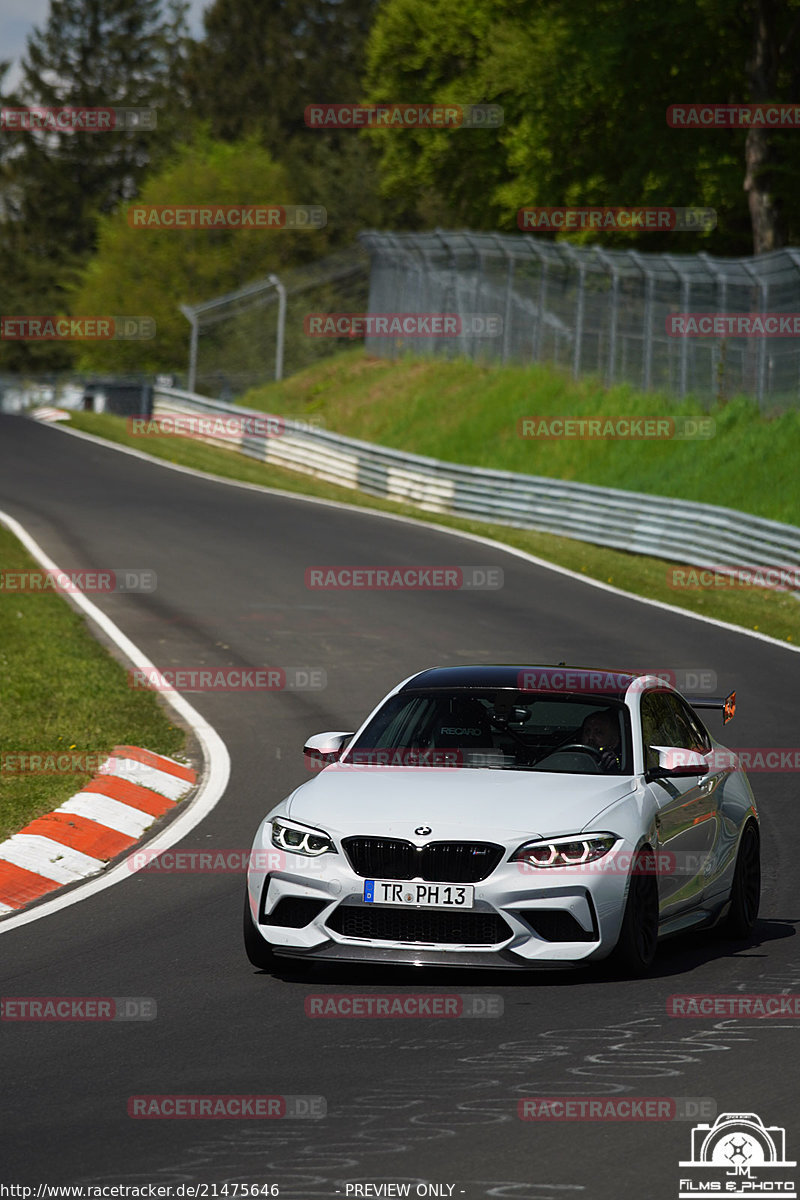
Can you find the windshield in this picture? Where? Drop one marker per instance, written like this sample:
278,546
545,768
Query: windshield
500,729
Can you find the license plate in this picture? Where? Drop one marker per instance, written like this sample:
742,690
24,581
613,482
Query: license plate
403,894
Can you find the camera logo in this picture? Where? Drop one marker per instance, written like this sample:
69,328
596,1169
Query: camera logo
737,1156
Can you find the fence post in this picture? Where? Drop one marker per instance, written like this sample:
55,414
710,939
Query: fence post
510,267
686,291
794,255
721,285
647,322
537,334
191,317
613,316
281,330
761,352
577,348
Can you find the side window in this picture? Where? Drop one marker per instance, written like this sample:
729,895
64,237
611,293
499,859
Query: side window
668,721
701,742
660,726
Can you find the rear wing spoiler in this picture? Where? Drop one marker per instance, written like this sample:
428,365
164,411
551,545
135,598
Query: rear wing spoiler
726,703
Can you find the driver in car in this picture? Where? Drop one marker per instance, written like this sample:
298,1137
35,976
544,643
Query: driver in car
601,730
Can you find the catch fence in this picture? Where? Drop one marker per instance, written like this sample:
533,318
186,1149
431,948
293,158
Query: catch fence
592,310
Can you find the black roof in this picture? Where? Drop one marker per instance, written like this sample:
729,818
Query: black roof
561,679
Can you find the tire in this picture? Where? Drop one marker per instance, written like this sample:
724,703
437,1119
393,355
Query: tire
259,952
636,949
746,887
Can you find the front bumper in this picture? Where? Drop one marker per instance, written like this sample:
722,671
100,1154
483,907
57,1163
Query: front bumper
520,918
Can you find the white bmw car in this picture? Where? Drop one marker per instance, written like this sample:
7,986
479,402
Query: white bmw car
504,816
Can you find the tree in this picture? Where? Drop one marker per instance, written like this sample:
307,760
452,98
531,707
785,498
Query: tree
94,53
262,62
433,53
773,72
89,54
585,87
151,272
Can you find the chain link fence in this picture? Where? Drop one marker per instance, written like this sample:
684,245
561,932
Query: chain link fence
257,333
593,311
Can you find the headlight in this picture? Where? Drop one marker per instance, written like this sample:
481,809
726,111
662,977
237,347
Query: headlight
565,852
298,839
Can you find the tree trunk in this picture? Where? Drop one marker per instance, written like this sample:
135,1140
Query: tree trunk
762,73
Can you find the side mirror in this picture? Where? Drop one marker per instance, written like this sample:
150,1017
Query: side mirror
676,763
325,748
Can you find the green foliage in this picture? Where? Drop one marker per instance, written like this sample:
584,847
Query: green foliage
257,69
433,53
261,63
585,88
150,271
459,411
56,185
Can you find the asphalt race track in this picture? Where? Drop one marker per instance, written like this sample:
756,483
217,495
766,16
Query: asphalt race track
416,1101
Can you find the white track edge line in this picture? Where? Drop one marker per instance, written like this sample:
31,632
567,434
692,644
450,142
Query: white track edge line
215,753
416,521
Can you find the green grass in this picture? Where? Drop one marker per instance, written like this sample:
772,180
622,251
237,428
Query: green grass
771,612
462,412
62,691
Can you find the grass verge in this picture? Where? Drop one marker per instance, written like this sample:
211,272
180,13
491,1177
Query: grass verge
62,692
463,412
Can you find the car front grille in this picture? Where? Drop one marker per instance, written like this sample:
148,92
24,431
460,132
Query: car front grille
432,926
438,862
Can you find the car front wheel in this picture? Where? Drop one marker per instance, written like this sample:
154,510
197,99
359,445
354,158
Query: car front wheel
636,948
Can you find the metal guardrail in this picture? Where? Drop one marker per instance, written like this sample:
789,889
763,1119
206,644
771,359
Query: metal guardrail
682,531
